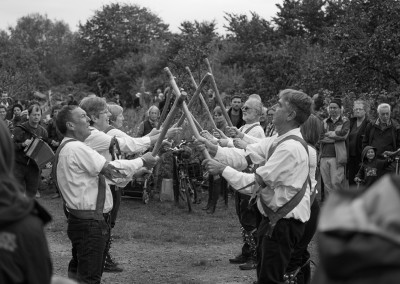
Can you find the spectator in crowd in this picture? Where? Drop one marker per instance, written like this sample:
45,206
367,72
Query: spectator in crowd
263,118
26,171
284,175
358,124
371,168
235,112
270,129
383,133
117,100
18,116
5,100
158,97
333,148
55,136
83,177
117,116
24,251
71,100
318,107
3,115
152,120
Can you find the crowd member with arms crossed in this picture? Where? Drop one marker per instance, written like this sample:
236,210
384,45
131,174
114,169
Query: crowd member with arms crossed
283,178
81,175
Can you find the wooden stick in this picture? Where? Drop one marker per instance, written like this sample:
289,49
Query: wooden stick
168,123
217,95
168,96
203,102
197,123
195,95
186,108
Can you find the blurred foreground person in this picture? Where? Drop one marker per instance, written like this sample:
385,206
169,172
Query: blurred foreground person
24,252
359,235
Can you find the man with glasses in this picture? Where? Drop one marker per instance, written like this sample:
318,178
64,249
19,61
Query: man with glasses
333,148
104,139
383,133
251,132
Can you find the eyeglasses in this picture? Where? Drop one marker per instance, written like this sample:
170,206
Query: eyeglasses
358,109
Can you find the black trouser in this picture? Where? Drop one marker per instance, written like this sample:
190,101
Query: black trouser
300,254
274,253
116,194
247,217
353,165
89,239
28,176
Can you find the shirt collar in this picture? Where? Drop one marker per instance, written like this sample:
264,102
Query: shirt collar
379,122
295,131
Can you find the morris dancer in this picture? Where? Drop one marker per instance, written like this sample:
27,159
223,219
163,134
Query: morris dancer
81,176
282,179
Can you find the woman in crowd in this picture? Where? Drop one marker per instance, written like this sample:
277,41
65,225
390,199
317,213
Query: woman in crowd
24,252
117,117
18,117
220,186
152,120
358,124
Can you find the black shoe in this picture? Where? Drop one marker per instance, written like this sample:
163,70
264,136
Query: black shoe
206,207
111,266
249,265
240,259
211,210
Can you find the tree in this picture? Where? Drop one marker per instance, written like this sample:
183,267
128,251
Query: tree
50,43
116,32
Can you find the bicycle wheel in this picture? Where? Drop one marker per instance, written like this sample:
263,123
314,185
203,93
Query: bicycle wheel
184,194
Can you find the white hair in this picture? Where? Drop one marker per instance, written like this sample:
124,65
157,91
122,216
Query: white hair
383,105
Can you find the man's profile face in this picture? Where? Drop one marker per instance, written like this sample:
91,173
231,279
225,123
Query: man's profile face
384,114
281,114
80,123
236,103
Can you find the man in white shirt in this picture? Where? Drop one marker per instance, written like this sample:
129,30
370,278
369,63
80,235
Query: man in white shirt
81,175
100,139
251,132
281,179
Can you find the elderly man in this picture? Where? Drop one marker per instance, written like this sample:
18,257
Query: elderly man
383,133
26,171
83,177
251,132
333,148
282,182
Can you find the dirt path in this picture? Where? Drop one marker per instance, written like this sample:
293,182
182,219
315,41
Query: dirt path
164,263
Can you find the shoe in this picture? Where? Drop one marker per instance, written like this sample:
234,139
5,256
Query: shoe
240,259
249,265
211,209
111,266
37,194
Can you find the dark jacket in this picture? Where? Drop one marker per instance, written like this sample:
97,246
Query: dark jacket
20,135
383,140
241,122
24,252
371,171
359,137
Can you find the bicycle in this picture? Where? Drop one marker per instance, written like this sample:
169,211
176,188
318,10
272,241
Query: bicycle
187,176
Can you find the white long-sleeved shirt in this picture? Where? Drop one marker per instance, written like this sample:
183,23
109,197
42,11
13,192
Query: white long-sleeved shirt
255,132
284,173
100,142
77,175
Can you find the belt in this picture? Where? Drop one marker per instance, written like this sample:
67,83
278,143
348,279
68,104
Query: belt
106,216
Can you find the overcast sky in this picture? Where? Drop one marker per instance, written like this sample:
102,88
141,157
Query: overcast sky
172,12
